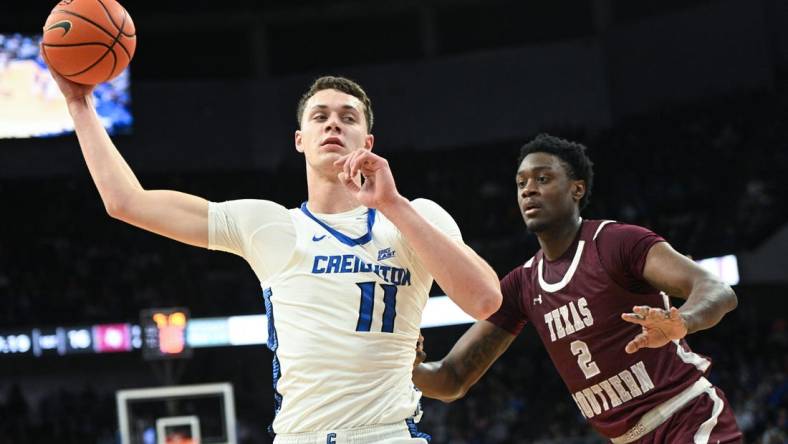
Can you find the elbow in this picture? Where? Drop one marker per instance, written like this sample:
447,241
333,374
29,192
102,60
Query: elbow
114,209
726,298
733,300
440,380
487,304
457,393
119,206
450,399
487,308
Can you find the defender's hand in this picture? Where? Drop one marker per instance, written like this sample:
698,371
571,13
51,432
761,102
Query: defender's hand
421,355
378,189
659,327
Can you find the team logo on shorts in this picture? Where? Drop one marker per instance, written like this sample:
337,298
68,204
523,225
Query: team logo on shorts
386,253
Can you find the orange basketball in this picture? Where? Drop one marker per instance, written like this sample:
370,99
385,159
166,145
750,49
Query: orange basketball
89,41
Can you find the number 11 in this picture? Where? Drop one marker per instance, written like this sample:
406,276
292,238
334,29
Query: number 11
368,303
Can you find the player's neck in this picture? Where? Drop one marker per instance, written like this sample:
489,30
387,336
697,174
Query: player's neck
556,240
328,195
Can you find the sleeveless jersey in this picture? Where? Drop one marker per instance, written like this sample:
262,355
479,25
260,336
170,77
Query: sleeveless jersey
344,311
578,318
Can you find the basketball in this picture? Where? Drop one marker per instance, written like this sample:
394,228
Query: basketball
88,41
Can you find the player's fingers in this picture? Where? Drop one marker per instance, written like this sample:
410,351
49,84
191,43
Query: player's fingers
634,318
641,310
361,162
657,314
341,161
353,186
650,314
349,165
348,182
637,343
420,357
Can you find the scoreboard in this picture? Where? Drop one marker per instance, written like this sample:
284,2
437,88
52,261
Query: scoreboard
164,333
59,341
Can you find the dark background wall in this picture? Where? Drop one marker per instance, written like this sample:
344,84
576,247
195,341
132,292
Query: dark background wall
500,83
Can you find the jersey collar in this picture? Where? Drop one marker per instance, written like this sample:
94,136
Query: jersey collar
341,237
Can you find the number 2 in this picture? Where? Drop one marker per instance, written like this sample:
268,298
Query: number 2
368,304
589,367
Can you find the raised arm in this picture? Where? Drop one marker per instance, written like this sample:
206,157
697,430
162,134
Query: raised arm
470,358
468,280
176,215
708,299
460,272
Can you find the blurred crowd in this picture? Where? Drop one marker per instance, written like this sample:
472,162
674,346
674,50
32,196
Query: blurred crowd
71,415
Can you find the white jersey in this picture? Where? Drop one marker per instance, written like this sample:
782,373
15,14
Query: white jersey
344,295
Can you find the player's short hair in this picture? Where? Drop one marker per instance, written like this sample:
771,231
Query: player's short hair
572,155
341,84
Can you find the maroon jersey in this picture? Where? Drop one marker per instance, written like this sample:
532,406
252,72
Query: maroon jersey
575,303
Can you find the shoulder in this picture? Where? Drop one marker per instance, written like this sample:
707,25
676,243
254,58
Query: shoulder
609,232
623,249
250,205
245,217
248,226
512,314
250,208
438,216
427,207
519,278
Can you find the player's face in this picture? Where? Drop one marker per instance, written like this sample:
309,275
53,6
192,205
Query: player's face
545,193
333,124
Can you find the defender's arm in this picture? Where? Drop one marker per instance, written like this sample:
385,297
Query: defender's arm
470,358
708,298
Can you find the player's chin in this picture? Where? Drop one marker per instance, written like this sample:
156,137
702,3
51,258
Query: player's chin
535,224
327,159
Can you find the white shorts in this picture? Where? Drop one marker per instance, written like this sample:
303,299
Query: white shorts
399,433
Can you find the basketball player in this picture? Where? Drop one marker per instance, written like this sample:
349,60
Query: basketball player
629,369
345,276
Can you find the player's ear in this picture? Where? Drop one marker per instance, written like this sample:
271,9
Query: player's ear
369,141
298,140
578,190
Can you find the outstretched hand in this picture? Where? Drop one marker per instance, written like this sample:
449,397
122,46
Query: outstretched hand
71,91
659,327
378,188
